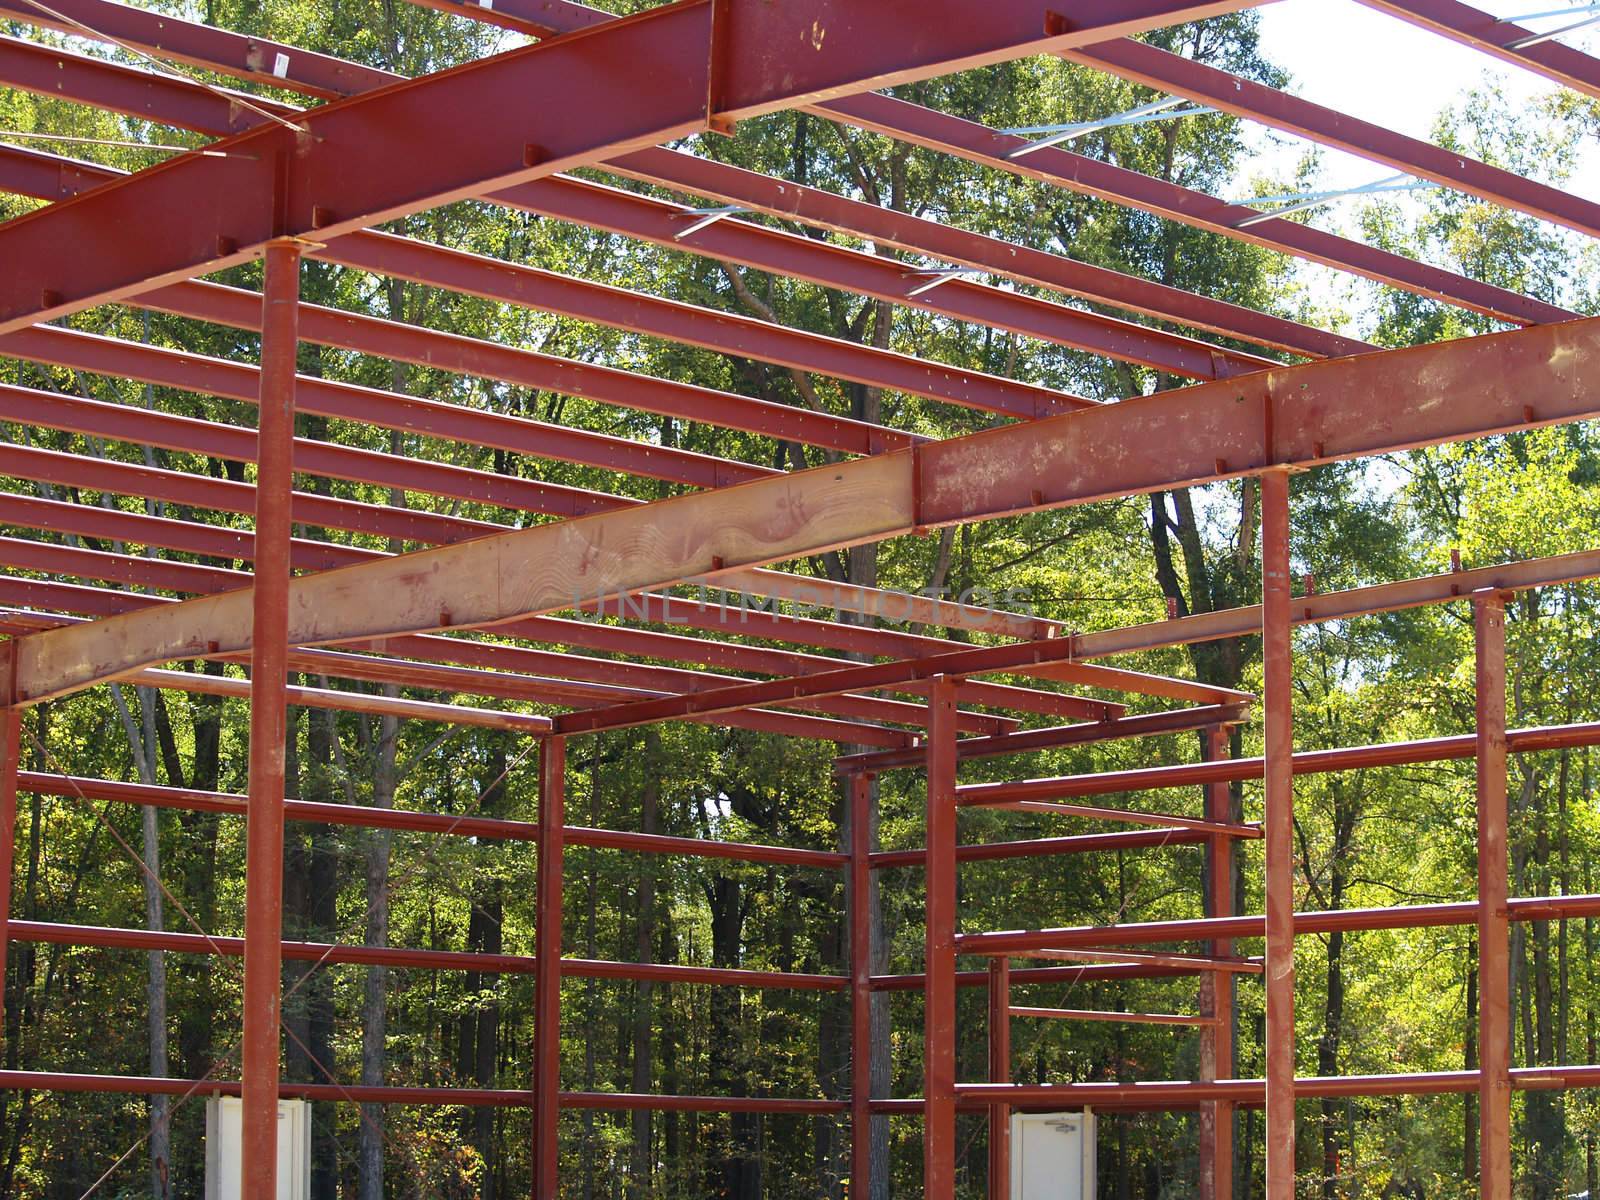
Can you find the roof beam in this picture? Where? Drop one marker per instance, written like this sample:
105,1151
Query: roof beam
1156,68
1080,173
190,537
311,74
124,89
638,82
1484,31
1318,412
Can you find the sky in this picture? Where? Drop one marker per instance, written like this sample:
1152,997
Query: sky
1381,69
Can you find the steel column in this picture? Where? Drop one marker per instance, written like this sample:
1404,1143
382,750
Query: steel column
547,977
1216,992
263,948
1000,1072
860,801
10,757
1276,627
939,950
1494,953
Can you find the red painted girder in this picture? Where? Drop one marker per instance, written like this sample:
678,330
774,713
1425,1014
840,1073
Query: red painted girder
1164,1096
782,253
1348,920
99,602
1293,416
1160,1096
823,209
164,99
1130,839
673,320
1079,173
208,46
46,932
192,537
89,79
201,580
825,683
1484,31
1095,812
449,1097
1156,68
365,817
1332,606
223,495
48,176
528,368
1026,740
1306,762
638,81
919,235
138,426
884,278
936,131
449,422
1086,973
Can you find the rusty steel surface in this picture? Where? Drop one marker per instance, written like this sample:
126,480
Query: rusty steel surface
269,653
939,950
1494,953
386,614
547,981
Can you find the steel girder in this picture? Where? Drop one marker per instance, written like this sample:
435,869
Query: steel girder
1340,408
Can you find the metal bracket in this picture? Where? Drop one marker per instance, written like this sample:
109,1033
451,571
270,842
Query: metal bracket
1165,109
1294,202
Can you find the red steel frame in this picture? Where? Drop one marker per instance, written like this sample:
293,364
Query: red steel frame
74,253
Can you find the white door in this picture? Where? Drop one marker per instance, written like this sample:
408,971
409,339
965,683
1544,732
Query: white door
1052,1156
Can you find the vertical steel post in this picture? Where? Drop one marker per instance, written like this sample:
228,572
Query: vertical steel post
939,950
1494,952
547,970
860,801
1279,833
999,1072
1216,991
263,924
10,760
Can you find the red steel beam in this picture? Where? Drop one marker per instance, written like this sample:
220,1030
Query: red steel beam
122,89
1026,740
1164,71
45,176
1128,839
547,982
1311,762
1160,1096
1294,416
939,950
1000,1013
1347,920
263,931
1062,168
1217,993
1278,705
639,81
436,419
1484,31
54,1081
797,256
920,235
826,683
10,757
859,797
1230,829
495,681
1494,952
196,579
